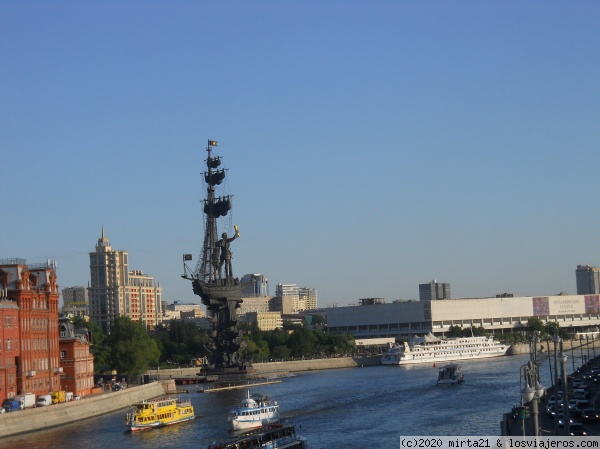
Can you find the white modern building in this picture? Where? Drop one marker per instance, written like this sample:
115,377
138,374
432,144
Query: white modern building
497,315
295,299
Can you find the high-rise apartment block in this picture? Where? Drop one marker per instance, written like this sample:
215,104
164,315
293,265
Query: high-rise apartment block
116,291
256,285
75,301
587,279
434,290
295,299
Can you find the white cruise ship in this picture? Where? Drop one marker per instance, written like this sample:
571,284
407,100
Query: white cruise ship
430,349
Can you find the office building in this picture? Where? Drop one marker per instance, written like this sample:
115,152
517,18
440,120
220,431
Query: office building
266,321
75,301
295,299
434,290
116,291
255,304
256,285
587,279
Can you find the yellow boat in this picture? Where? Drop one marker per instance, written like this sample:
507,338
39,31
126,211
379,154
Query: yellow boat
159,413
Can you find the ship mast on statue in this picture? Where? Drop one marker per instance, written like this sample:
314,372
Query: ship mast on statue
212,279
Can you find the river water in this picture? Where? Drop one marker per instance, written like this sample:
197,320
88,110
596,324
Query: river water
342,408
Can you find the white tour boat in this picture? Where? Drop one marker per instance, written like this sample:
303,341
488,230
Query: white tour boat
428,349
254,411
450,374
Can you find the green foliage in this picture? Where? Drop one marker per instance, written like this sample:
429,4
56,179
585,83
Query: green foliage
281,352
454,331
179,342
301,342
133,351
535,324
457,331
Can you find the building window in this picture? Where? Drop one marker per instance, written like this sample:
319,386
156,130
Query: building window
63,354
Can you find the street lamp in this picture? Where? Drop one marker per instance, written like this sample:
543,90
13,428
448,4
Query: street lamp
533,391
563,364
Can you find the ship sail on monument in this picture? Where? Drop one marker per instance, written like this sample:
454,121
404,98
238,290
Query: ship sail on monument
212,278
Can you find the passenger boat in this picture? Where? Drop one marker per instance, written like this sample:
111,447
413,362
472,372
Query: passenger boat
254,411
159,413
275,436
428,349
450,375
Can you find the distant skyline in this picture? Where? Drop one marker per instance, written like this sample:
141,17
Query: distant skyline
371,146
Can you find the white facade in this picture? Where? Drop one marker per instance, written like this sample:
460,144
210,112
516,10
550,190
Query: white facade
254,304
295,299
498,315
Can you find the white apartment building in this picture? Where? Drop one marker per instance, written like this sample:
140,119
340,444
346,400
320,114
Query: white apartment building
267,321
295,299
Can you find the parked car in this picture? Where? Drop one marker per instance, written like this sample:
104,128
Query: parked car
11,405
561,420
577,429
43,400
589,415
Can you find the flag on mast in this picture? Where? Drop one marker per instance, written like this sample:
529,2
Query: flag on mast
212,143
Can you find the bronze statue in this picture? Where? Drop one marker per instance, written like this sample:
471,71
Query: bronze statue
225,252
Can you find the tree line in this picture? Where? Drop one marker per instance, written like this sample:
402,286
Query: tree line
131,349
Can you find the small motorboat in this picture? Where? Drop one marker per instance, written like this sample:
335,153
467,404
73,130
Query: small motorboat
254,412
450,374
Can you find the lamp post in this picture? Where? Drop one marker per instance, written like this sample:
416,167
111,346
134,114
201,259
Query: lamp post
565,395
533,390
556,341
587,343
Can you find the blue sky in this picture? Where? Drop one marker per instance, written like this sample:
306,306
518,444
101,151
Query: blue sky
371,146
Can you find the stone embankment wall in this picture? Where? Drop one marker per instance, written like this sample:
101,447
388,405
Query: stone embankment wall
29,420
544,346
273,368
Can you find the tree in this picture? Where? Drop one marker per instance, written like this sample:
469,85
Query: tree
179,341
133,350
535,324
454,331
302,343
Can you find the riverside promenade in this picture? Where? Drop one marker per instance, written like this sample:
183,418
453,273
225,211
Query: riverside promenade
40,418
514,425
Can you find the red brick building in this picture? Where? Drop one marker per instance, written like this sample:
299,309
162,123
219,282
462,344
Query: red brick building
76,360
29,328
9,345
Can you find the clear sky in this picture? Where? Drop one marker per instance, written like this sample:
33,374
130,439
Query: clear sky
371,145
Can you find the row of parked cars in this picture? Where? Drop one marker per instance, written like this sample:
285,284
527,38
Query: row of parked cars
580,409
28,400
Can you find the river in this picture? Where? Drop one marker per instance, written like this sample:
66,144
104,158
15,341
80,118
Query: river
342,408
